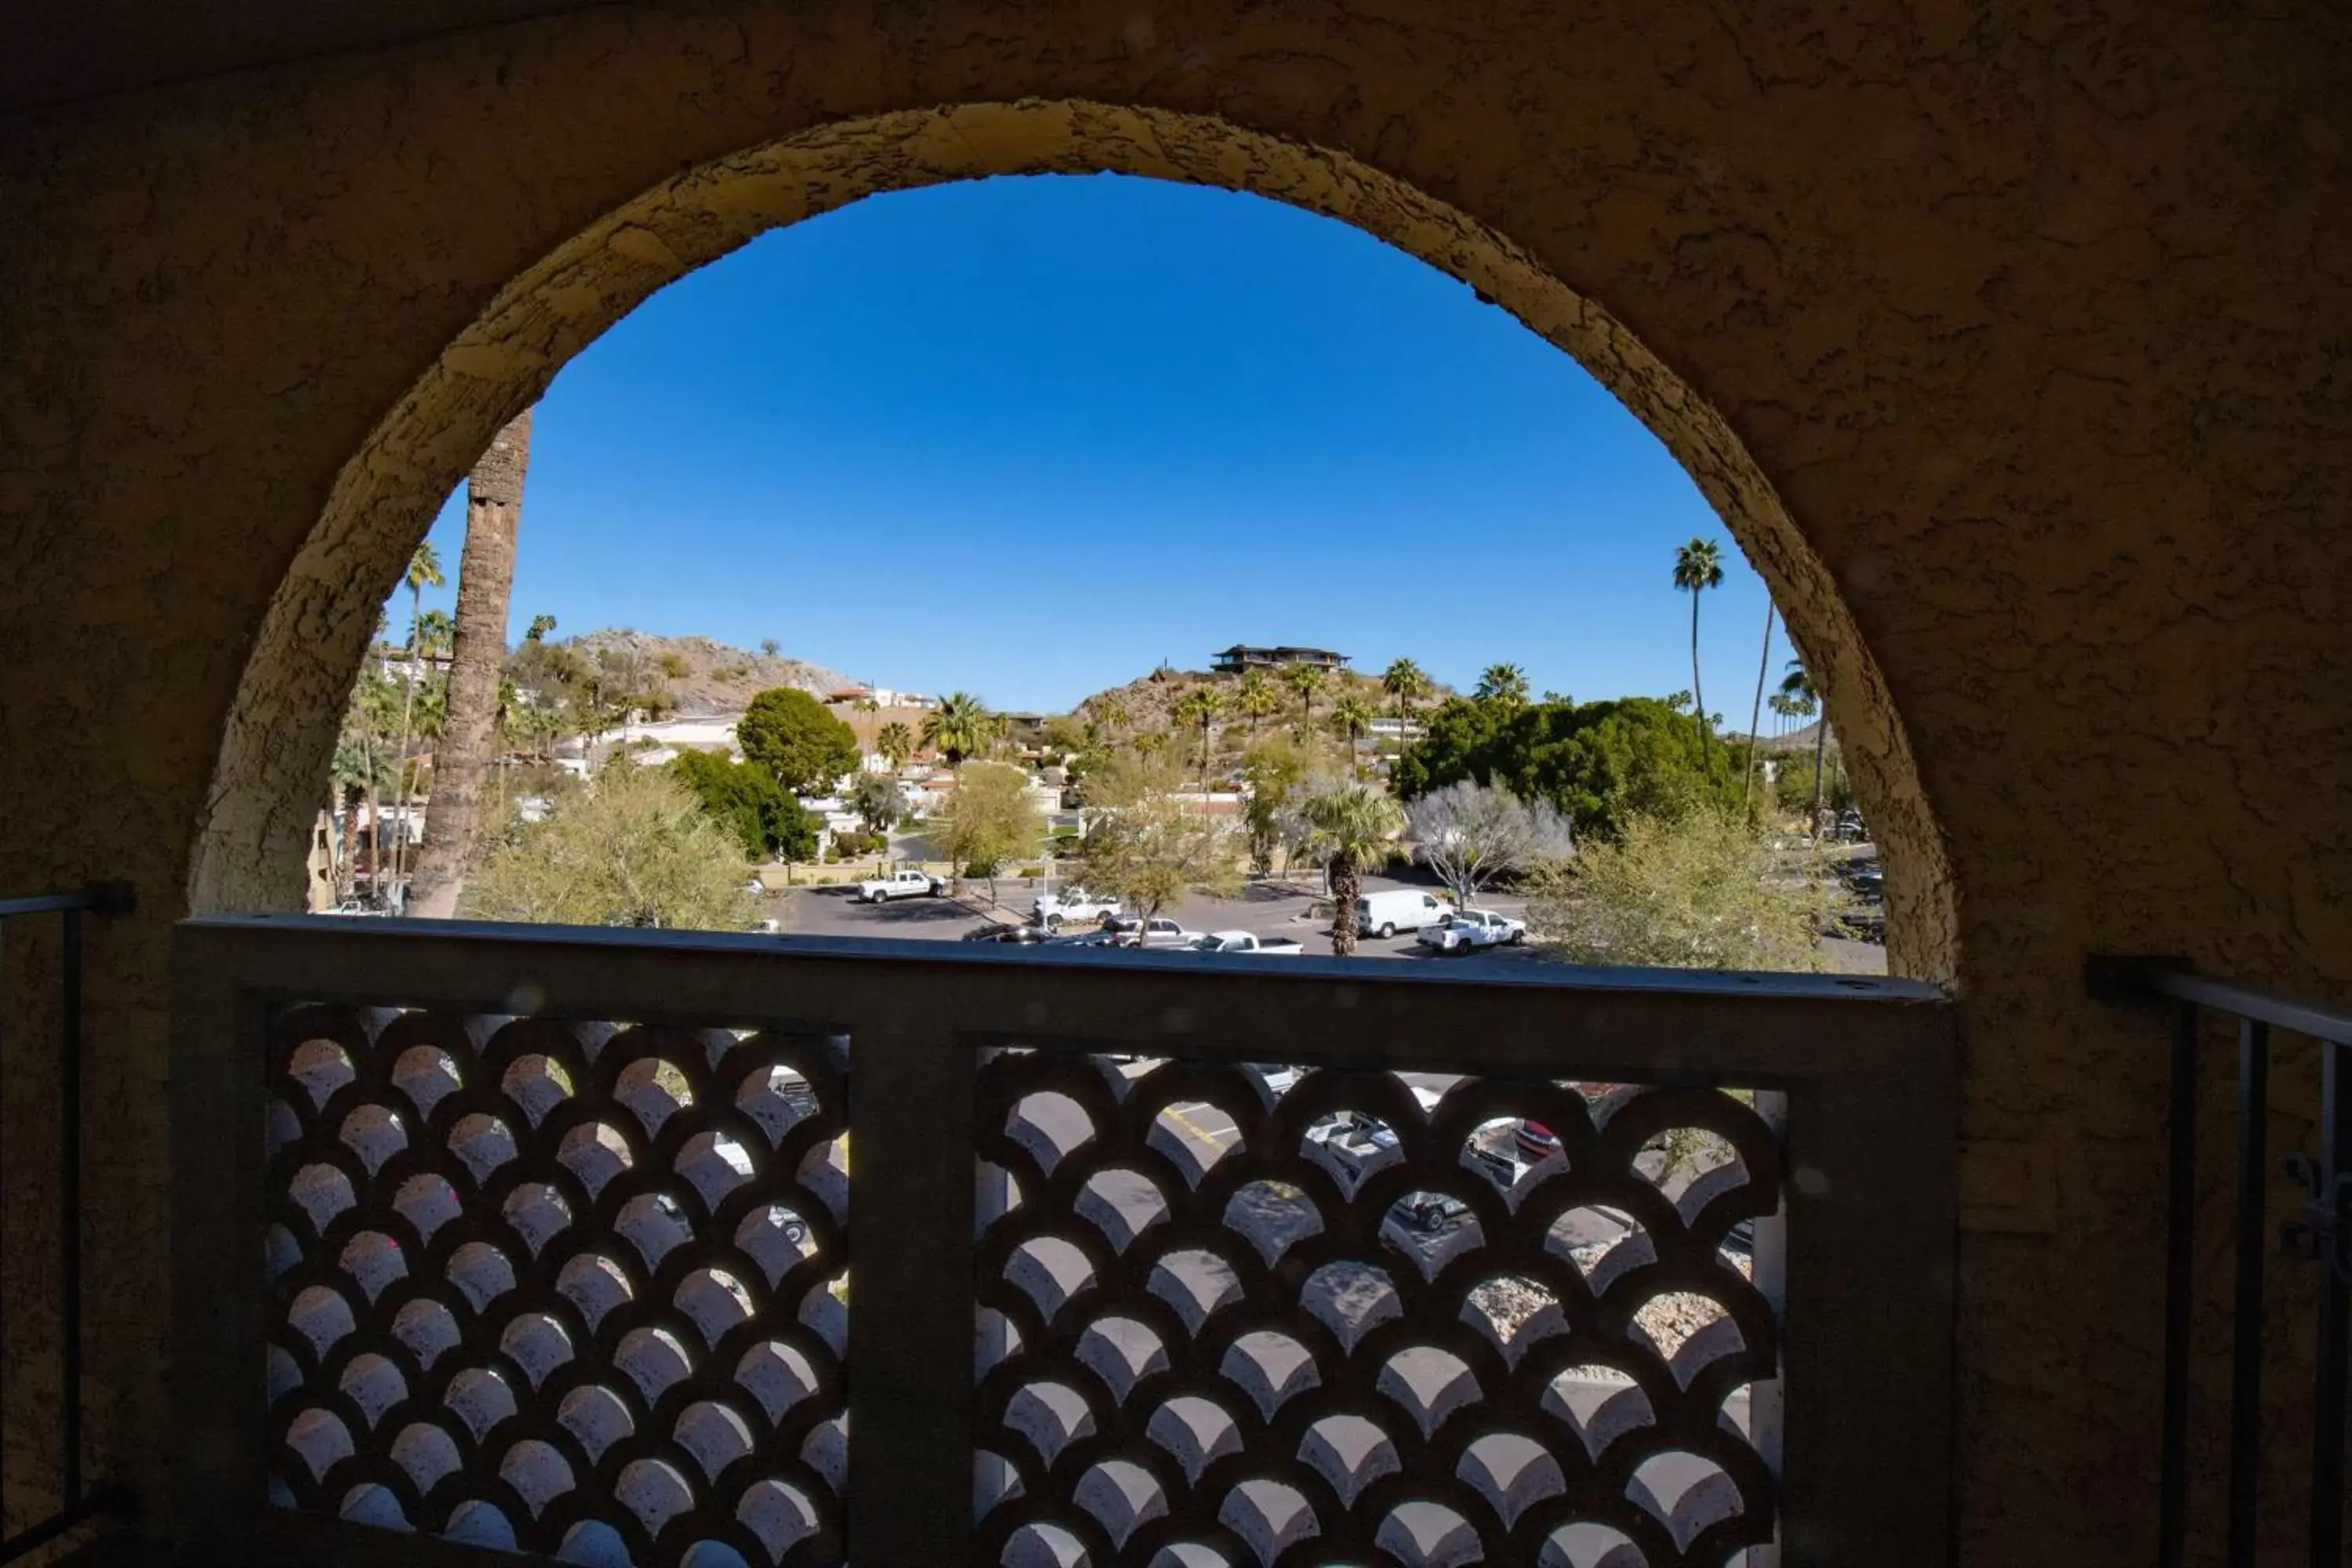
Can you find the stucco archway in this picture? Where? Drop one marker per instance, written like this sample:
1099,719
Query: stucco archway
281,728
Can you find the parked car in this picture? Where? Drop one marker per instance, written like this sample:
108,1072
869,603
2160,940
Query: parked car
1072,905
1392,910
1010,935
1864,877
1158,931
1536,1143
1245,942
908,884
1353,1138
1429,1226
1465,931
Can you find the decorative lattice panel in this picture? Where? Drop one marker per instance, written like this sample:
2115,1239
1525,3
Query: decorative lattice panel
569,1288
1229,1318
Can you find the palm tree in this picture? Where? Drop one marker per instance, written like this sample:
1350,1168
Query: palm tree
1112,713
1200,706
1698,566
1352,716
1756,710
1348,829
436,632
1258,699
959,727
1151,743
540,625
477,658
1304,681
1502,683
896,743
1798,687
423,572
1404,681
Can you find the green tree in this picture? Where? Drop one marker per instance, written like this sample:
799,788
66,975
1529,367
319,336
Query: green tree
1502,683
1814,784
1112,713
461,761
959,727
1257,700
1405,680
1351,827
1145,846
364,769
745,799
988,819
539,626
1596,761
1698,566
789,732
877,801
1352,716
896,743
1304,681
768,646
1150,744
634,849
434,633
1199,707
1698,891
1271,771
1804,698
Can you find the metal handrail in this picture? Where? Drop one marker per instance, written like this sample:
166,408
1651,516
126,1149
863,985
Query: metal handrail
75,1505
2172,979
2323,1233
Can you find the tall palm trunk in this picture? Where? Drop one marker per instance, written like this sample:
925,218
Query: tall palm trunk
407,719
1755,711
1820,746
476,660
1346,884
348,880
1698,693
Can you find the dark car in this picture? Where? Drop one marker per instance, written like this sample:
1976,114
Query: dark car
1007,932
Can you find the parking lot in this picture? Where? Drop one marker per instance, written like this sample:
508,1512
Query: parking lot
1263,909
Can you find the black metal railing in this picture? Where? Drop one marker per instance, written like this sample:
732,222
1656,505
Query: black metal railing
542,1239
2322,1233
75,1502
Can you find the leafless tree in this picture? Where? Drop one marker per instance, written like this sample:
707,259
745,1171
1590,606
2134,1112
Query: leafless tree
1471,833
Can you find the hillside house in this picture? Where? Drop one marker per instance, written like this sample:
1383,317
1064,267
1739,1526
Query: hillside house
1243,657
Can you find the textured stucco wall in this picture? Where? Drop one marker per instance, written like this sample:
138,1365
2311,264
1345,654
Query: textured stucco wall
2006,335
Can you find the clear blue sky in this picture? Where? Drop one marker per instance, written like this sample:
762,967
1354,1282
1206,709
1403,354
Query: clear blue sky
1028,437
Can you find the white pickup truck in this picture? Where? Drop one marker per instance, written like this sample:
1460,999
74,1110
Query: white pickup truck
1243,941
1072,906
1465,931
901,885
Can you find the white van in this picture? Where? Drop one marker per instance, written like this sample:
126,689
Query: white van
1393,909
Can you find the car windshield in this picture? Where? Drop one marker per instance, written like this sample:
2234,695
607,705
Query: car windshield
1206,943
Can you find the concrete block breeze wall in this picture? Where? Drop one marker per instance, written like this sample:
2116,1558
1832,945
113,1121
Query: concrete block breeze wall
2005,341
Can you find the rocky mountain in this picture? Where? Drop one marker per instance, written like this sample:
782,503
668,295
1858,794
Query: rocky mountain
704,676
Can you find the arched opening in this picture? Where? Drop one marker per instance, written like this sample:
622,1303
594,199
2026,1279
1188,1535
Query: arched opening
281,725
